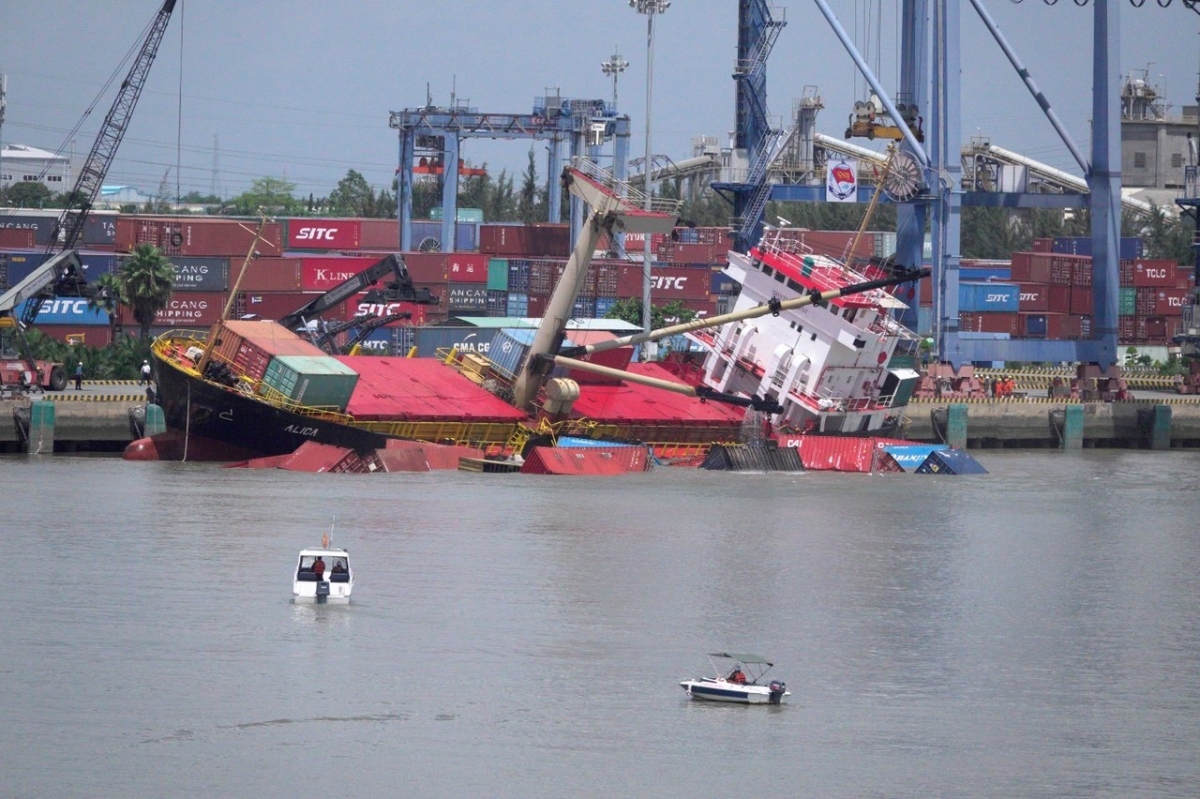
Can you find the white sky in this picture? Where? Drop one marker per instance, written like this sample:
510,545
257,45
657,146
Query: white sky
302,89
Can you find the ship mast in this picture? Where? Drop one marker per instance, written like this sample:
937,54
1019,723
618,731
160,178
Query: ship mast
215,332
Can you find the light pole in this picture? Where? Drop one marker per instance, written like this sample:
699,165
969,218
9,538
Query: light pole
614,66
650,8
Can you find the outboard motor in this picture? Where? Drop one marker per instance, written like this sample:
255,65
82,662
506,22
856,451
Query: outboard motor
322,591
775,695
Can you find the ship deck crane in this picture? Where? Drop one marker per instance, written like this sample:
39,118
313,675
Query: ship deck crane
61,275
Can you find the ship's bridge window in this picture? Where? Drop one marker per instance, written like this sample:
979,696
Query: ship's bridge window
794,286
768,271
780,277
849,314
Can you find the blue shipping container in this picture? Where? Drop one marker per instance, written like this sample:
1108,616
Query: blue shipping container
722,283
1130,246
924,320
584,309
985,273
509,347
67,311
518,276
604,305
518,304
991,297
97,264
1035,325
429,340
21,264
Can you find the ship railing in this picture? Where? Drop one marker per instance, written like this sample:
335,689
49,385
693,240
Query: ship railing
491,437
278,399
619,188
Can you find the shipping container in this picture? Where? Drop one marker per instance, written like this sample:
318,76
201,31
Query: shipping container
323,234
198,236
87,335
1125,273
989,297
604,306
250,346
584,308
466,298
1082,301
1032,325
1145,301
1151,328
17,238
359,306
518,275
518,304
199,274
981,270
466,268
497,274
40,223
985,322
1067,326
316,381
1127,302
66,311
666,283
1126,329
430,339
1170,302
379,234
508,350
550,239
497,303
324,273
185,309
21,264
504,239
537,307
1058,299
1082,273
426,268
1029,267
1033,297
97,264
266,274
1082,245
701,254
1154,273
924,319
1042,245
721,283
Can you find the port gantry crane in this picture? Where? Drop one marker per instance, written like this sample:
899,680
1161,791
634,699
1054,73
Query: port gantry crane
61,273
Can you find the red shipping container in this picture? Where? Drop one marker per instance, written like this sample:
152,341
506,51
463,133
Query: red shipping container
1043,245
1145,301
17,238
358,306
1065,326
1033,297
550,239
266,274
1081,273
705,254
466,267
1062,269
1157,273
666,283
322,274
1185,277
426,268
93,335
198,236
272,304
185,309
1126,328
1152,328
1082,300
1125,274
504,239
323,234
703,308
1170,302
536,308
1058,298
379,234
1029,267
988,322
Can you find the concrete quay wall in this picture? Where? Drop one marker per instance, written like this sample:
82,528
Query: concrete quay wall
1017,423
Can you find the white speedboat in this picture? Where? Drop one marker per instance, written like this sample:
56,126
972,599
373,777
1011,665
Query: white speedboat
739,678
323,574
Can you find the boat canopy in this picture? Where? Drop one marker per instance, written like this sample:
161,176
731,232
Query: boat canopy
742,657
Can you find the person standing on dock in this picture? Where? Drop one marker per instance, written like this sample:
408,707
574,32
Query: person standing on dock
145,378
79,377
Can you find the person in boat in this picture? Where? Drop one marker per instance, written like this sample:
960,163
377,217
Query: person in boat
318,567
737,676
339,567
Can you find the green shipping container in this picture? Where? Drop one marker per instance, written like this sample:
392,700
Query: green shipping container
497,274
312,380
1127,302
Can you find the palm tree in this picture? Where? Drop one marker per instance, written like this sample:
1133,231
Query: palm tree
146,280
108,299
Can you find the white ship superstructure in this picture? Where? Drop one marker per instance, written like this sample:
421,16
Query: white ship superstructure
826,364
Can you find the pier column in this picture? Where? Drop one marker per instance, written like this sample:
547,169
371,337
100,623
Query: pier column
155,422
1072,429
956,425
41,428
1155,424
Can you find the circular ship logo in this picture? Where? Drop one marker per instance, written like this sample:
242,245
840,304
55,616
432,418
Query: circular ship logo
842,182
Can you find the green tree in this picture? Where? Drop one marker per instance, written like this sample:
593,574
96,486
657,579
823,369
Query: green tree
1168,237
671,313
146,280
353,196
531,202
29,194
272,195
